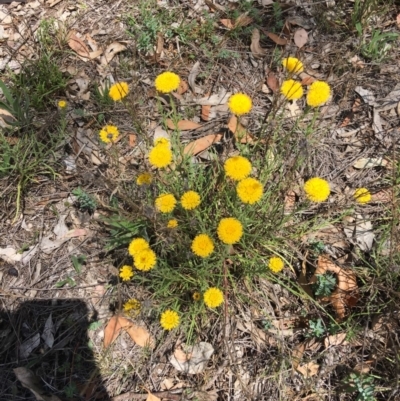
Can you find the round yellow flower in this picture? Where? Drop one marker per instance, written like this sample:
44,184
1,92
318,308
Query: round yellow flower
173,223
137,245
213,297
126,273
196,296
169,320
318,93
276,264
167,82
293,64
202,245
292,89
240,104
144,178
237,168
62,104
249,190
161,141
165,203
317,189
160,156
132,305
118,91
190,200
230,230
362,195
109,133
145,260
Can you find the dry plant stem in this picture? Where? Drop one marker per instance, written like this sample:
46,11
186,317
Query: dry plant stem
18,202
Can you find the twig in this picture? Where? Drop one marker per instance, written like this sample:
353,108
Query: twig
161,394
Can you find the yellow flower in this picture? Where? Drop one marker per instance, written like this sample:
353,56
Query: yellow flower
190,200
118,91
126,273
249,190
318,93
293,64
132,305
276,264
169,320
230,230
167,82
196,296
202,245
213,297
237,167
62,104
144,178
292,89
160,156
362,195
317,189
161,141
239,104
145,260
173,223
137,245
165,203
109,133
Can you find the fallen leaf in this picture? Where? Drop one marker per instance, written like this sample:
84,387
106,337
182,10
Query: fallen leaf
272,82
111,51
239,131
160,132
198,145
160,46
383,196
216,99
300,21
398,20
370,162
182,125
289,202
300,38
113,328
183,87
366,95
360,232
48,332
309,369
335,339
6,119
243,20
297,354
193,75
132,140
229,23
255,47
205,112
357,62
275,38
26,348
197,357
306,79
30,381
77,44
141,336
152,397
214,7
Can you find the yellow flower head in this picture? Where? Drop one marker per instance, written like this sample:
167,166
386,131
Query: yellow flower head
249,190
237,167
240,104
291,89
145,260
190,200
126,273
202,245
132,305
161,141
317,189
230,230
169,320
213,297
293,64
276,264
118,91
196,296
362,195
109,133
160,156
167,82
137,245
173,223
165,203
144,178
62,104
318,93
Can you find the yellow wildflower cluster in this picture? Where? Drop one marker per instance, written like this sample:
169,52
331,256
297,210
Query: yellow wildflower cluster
160,155
213,297
109,133
190,200
293,65
144,179
202,245
165,203
143,257
132,307
167,82
173,223
317,189
126,272
362,195
240,104
118,91
169,320
276,264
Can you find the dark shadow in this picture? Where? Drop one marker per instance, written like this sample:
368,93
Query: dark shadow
49,338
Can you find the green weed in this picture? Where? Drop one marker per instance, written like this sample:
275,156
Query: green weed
362,385
85,202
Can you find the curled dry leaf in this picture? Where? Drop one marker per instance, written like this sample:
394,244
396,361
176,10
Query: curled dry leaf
243,20
346,292
152,397
112,49
198,145
193,75
277,39
192,359
141,336
335,339
227,22
183,87
306,79
272,82
205,112
370,162
77,45
113,328
239,131
309,369
255,47
300,38
182,125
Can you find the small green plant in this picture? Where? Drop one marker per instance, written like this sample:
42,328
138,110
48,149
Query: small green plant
278,16
316,329
70,390
78,262
378,47
84,200
361,384
325,285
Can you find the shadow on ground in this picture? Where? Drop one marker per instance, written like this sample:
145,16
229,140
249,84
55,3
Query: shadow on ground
45,344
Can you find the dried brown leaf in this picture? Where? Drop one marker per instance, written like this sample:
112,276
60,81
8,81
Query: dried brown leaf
272,82
255,47
297,354
182,125
239,131
140,335
132,140
152,397
197,146
300,38
77,45
278,40
309,369
335,339
243,20
370,162
229,23
183,87
306,79
205,112
113,328
111,51
383,196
